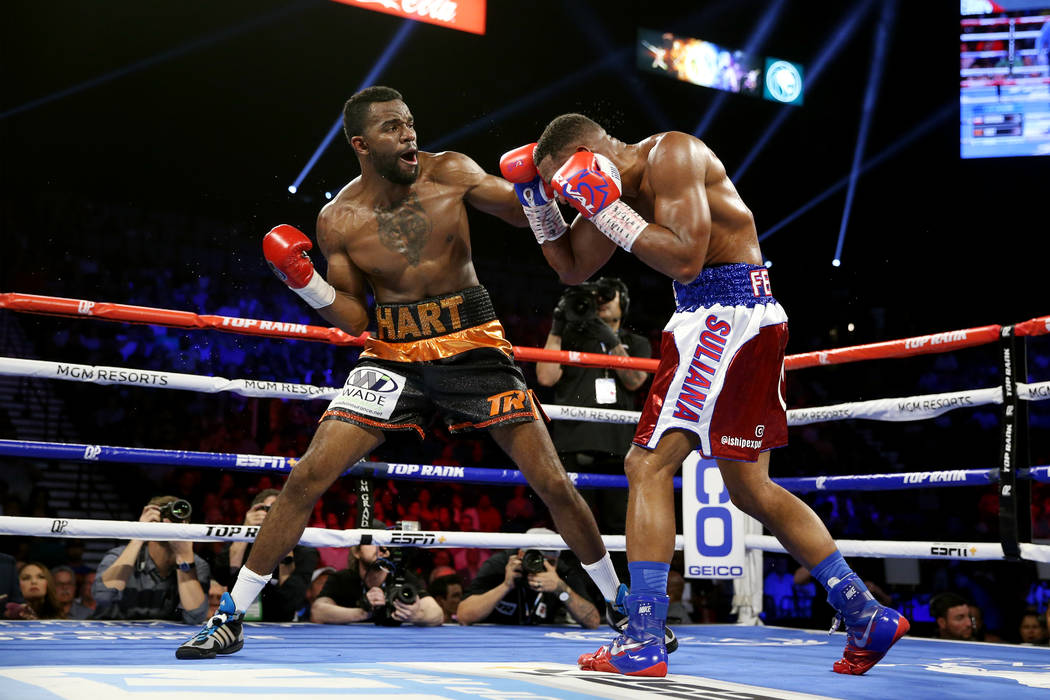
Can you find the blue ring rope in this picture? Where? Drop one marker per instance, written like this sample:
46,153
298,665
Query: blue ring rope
475,475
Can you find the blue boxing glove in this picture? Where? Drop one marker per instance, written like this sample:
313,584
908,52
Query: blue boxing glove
535,195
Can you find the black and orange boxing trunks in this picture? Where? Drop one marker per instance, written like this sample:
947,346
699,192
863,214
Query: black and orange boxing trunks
446,354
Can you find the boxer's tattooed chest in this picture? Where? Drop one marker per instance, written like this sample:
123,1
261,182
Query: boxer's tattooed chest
403,228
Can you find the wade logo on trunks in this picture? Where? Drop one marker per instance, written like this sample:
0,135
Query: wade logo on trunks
370,391
425,319
702,368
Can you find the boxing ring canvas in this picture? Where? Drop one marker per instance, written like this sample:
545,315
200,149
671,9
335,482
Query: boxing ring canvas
71,659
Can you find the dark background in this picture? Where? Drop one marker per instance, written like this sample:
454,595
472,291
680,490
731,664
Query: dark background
145,148
216,107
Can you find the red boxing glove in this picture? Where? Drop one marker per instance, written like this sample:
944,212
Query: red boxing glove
591,184
535,195
517,166
584,185
284,248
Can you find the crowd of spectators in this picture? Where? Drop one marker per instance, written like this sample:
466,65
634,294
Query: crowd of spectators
216,269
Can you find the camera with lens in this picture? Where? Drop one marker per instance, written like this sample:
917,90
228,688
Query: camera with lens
582,301
177,511
533,562
395,587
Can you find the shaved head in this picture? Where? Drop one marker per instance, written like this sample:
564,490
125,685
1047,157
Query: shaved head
566,131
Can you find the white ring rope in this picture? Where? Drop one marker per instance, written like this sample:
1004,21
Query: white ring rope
907,408
319,537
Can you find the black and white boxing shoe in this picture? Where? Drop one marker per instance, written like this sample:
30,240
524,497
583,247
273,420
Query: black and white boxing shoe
223,633
616,617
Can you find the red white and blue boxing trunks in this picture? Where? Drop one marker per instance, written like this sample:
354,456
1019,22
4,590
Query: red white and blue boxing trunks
721,373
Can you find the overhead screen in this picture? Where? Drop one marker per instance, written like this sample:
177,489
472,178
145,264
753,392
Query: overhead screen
710,65
1004,78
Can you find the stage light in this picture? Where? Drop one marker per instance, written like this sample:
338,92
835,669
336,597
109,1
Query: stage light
946,112
882,40
836,262
327,195
380,65
768,264
838,40
754,44
293,189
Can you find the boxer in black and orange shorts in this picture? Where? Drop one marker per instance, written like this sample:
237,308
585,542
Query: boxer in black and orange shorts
445,353
400,232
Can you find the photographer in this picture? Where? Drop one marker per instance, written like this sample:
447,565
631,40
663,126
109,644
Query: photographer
588,318
375,587
285,594
519,587
150,580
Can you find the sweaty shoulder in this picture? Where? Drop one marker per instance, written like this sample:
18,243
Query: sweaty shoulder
340,216
452,168
678,149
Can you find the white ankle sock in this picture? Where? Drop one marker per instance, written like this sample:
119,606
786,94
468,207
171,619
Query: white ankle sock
604,575
247,588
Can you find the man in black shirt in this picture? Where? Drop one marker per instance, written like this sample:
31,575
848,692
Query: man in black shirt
285,594
504,593
595,326
358,593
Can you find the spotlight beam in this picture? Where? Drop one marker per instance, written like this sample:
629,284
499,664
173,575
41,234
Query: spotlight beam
188,47
838,40
758,37
377,69
944,113
882,40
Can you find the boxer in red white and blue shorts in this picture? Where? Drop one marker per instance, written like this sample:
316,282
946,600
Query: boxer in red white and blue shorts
725,339
719,388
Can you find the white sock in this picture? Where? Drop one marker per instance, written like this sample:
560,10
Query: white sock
247,588
603,574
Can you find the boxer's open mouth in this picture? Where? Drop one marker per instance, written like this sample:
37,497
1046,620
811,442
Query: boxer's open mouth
410,157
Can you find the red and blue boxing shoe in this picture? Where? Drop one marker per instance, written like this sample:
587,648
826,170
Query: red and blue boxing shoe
870,631
640,650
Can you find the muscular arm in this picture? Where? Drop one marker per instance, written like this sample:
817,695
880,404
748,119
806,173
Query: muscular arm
675,242
580,253
488,193
349,311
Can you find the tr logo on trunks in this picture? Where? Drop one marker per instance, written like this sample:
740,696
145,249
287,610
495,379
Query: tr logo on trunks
760,283
506,402
706,358
423,320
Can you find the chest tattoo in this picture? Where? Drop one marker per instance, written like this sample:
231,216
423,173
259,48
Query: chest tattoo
403,228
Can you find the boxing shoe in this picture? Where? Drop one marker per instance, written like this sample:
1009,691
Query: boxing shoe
640,650
616,617
223,633
871,629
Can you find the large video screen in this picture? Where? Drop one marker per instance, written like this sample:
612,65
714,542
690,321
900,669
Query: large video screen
1004,78
703,63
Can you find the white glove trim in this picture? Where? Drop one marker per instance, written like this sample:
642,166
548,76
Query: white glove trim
620,224
546,221
317,292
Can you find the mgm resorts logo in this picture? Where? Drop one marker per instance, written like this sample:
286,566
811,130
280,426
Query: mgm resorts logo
944,550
